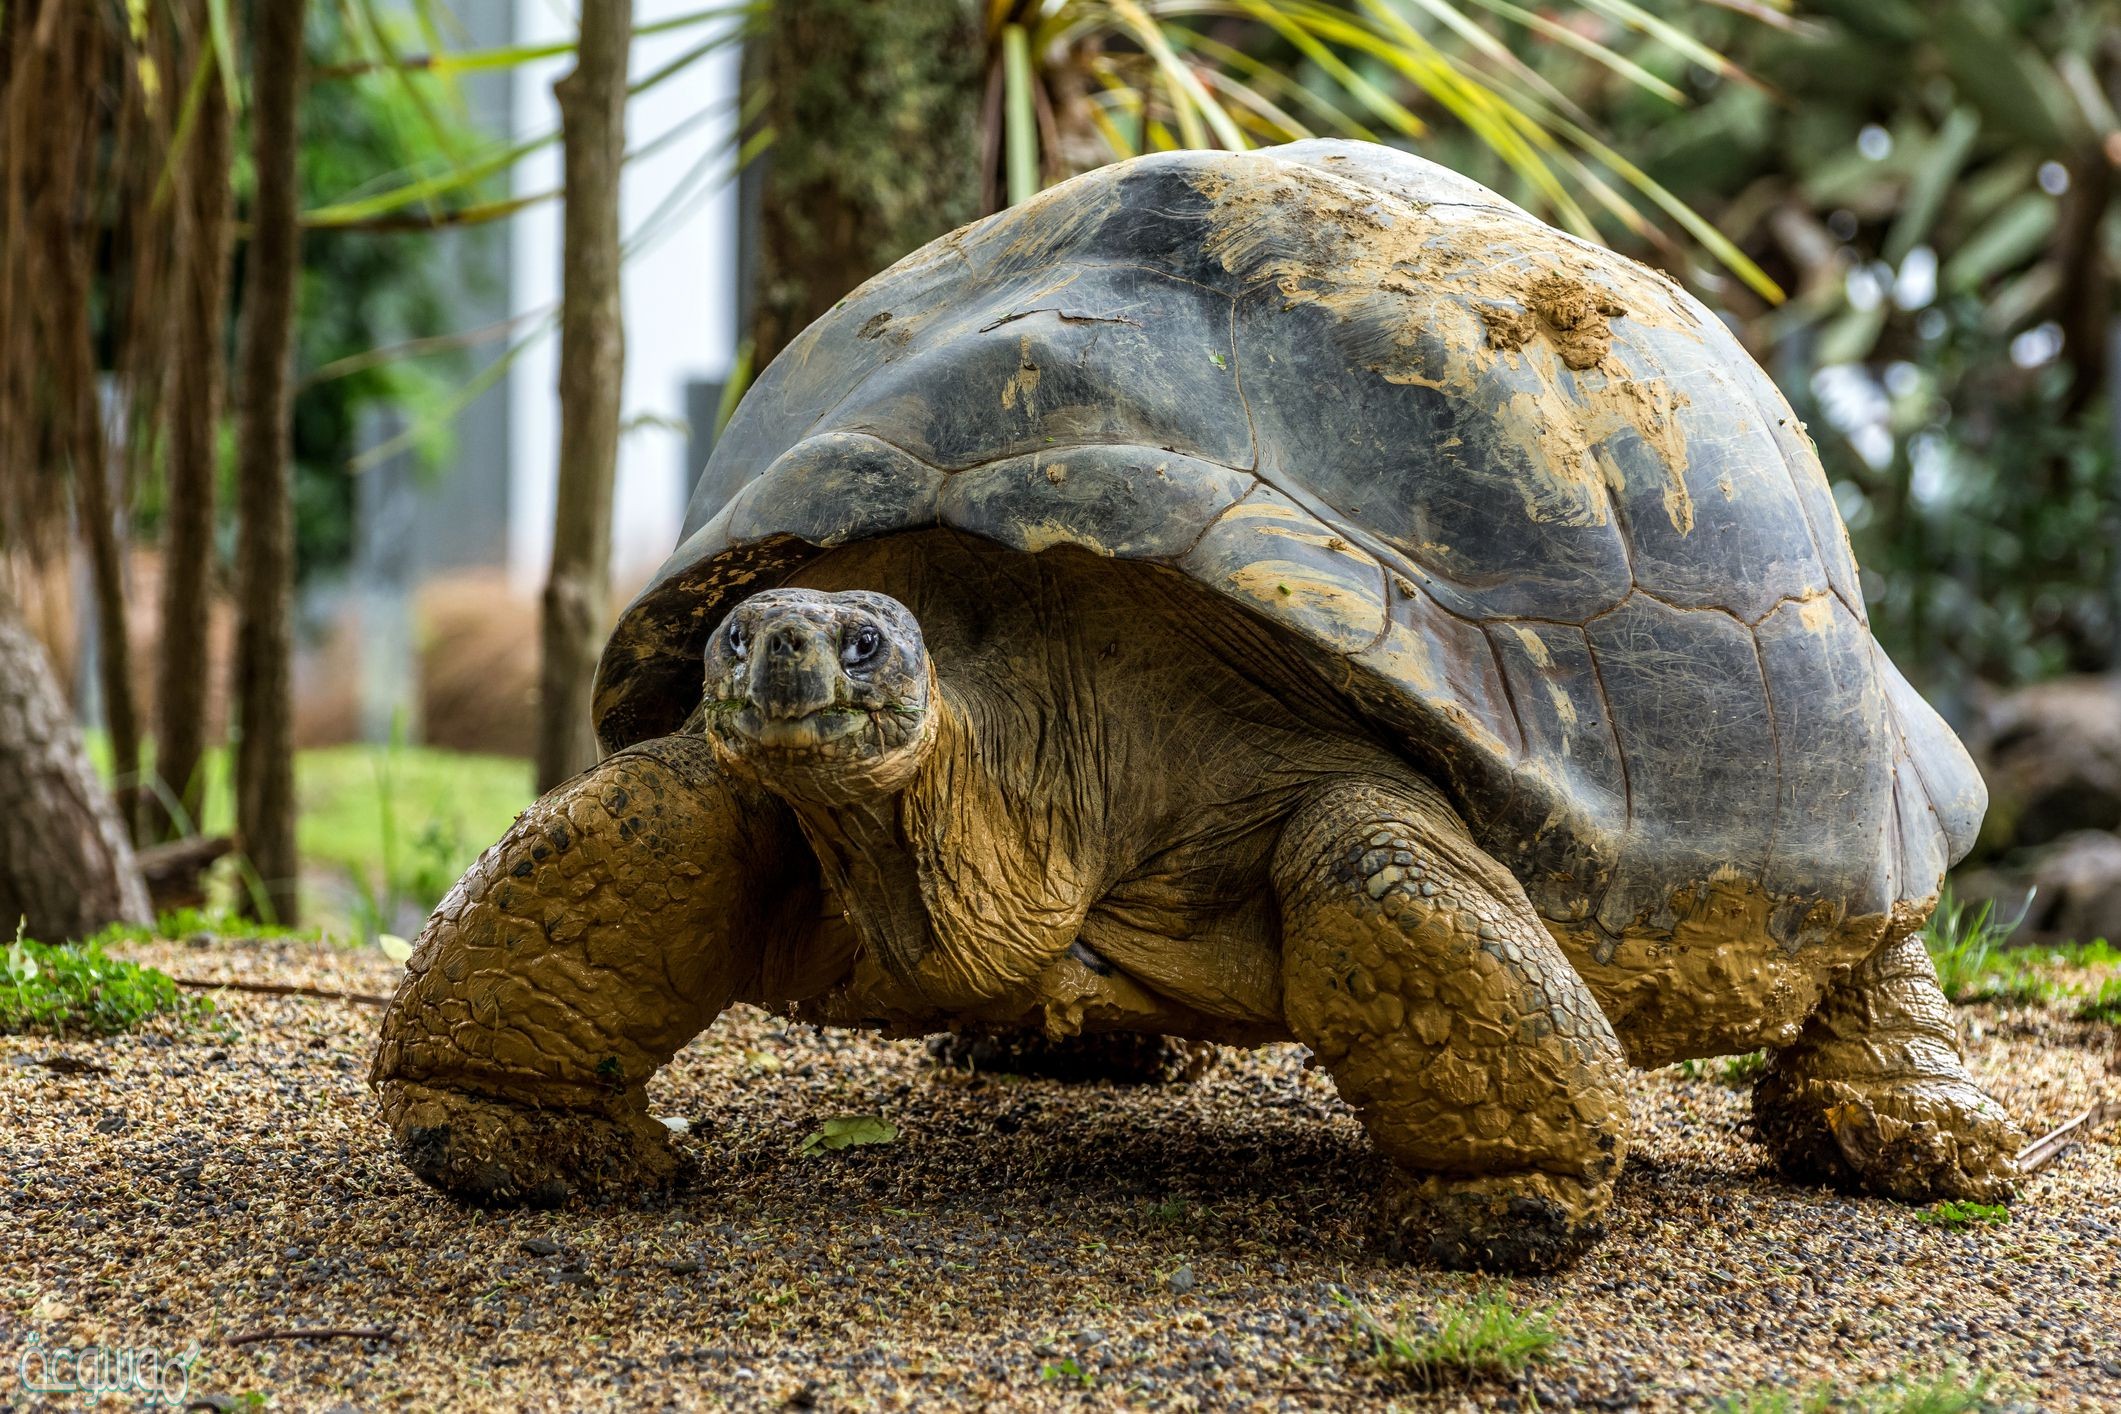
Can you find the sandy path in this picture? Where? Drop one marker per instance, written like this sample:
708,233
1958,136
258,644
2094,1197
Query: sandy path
1180,1246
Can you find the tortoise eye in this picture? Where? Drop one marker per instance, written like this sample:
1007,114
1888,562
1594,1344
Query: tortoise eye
738,639
862,645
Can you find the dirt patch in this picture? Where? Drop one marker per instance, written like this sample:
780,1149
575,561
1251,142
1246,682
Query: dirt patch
1179,1247
1573,316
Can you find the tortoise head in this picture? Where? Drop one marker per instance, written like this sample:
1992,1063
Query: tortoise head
824,697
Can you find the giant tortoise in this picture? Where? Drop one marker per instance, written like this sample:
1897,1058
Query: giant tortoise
1292,595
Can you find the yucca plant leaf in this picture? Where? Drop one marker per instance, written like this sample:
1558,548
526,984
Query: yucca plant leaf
1395,114
1268,80
478,169
1190,101
1279,124
1717,243
1585,45
1934,174
1457,22
202,73
1636,18
1019,120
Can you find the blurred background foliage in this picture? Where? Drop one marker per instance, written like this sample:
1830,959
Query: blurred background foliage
364,290
369,296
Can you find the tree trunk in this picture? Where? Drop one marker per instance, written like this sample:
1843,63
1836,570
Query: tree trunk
196,388
265,531
592,98
875,111
66,867
62,218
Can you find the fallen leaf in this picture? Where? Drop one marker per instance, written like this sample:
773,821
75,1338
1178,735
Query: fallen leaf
843,1130
394,947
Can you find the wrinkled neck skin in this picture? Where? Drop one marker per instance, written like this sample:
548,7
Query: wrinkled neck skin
963,888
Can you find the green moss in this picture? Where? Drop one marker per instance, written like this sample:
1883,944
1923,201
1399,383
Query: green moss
50,989
2104,1004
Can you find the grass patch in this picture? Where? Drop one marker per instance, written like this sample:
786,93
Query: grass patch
1968,944
1975,963
1951,1391
51,989
1066,1371
1469,1339
190,922
1955,1216
2104,1004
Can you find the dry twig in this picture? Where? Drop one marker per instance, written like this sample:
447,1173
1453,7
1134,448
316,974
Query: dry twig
2044,1150
279,989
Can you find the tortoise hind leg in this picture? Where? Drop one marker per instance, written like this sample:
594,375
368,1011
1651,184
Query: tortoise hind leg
1874,1095
1417,971
617,918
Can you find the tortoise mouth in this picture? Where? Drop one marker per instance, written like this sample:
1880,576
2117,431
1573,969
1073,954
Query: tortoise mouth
807,732
830,731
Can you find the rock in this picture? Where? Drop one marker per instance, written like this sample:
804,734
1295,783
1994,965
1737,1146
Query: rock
541,1247
2068,890
2051,754
1181,1281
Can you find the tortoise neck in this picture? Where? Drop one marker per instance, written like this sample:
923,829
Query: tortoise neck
965,885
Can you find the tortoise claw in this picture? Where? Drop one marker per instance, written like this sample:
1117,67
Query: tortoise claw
1514,1224
496,1153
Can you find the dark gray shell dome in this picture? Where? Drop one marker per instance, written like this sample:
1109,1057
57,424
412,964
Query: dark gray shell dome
1536,510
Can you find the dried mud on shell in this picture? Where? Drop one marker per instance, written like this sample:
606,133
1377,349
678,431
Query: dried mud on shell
1181,1247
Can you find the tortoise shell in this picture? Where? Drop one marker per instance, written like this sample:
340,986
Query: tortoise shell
1538,514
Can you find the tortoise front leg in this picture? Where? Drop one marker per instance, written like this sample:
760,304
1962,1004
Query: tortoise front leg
619,916
1416,969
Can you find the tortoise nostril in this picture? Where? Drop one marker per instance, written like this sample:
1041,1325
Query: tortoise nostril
785,642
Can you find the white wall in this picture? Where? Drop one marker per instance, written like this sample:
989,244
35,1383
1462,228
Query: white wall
679,292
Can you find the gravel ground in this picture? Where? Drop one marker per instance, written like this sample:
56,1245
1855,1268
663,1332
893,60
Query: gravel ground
1182,1247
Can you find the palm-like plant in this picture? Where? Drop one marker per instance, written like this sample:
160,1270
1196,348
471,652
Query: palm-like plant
1081,82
